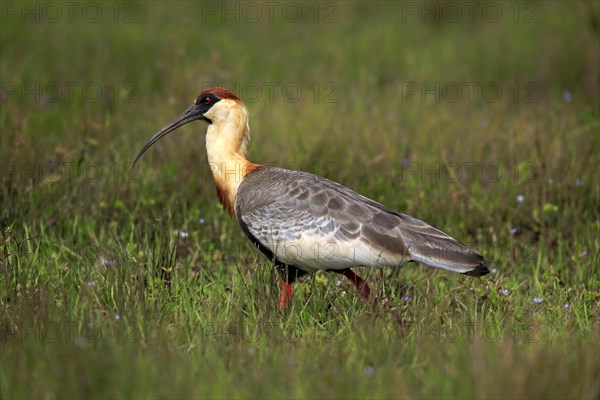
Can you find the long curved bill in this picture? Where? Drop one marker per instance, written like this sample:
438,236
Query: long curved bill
189,115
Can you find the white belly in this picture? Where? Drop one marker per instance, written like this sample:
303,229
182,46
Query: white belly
312,253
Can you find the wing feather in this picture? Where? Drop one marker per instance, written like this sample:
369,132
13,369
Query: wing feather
314,223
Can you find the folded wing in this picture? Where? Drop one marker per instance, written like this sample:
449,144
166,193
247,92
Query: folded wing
314,223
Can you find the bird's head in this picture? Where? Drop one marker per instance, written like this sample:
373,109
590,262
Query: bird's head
215,106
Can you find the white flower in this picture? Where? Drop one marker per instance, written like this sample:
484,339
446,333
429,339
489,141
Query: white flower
106,261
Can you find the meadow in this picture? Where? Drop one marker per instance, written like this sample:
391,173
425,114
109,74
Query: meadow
481,118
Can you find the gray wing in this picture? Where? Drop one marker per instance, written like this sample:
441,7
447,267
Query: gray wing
314,223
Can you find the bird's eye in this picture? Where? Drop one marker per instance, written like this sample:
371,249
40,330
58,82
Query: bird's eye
207,100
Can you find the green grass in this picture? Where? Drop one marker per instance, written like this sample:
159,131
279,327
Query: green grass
102,296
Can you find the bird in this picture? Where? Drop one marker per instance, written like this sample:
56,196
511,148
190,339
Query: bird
302,222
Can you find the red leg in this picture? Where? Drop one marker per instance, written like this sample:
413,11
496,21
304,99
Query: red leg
286,294
359,282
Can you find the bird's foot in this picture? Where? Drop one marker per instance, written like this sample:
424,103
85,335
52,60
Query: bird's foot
286,294
360,283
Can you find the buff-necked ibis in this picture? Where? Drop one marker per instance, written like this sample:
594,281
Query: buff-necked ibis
304,223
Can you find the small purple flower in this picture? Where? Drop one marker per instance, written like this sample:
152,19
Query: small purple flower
567,96
106,261
183,234
512,231
201,220
117,317
567,306
520,198
584,253
538,300
92,283
338,283
406,298
505,292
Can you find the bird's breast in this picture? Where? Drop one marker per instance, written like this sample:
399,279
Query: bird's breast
228,176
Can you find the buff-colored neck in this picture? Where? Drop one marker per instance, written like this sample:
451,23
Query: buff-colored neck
226,142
